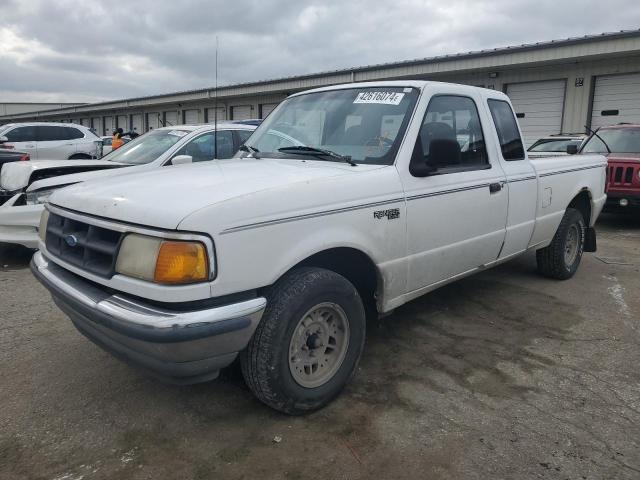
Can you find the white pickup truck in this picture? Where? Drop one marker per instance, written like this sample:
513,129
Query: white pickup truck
348,201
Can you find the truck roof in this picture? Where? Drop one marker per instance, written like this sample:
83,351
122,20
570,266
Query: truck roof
398,83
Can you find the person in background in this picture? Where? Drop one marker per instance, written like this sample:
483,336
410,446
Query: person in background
116,141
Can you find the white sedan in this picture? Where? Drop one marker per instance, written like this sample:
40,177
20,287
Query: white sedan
33,182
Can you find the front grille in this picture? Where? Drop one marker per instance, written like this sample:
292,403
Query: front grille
82,245
621,175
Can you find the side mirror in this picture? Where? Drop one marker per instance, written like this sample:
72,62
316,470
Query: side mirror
3,139
572,148
181,160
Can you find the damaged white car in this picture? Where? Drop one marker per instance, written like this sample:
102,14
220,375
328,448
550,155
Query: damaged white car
26,186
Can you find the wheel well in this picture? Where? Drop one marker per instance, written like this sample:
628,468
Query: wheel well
355,266
79,156
582,203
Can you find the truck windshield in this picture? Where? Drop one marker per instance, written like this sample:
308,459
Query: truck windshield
146,148
364,125
619,140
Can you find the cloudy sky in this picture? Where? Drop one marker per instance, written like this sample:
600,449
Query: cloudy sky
85,50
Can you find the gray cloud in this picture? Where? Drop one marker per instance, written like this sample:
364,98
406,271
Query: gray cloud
82,50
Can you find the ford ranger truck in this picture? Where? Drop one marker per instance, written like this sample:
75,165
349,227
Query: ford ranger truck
623,154
347,202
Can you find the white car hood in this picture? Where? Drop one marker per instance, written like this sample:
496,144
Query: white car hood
16,175
163,197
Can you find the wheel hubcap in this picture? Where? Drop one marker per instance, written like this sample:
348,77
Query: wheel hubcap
571,245
318,345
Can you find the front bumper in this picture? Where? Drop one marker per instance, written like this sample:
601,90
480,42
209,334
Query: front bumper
19,223
176,346
614,202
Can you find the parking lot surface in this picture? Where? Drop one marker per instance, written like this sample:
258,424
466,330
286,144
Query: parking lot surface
502,375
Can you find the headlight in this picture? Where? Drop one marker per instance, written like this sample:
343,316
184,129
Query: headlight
163,261
42,230
39,196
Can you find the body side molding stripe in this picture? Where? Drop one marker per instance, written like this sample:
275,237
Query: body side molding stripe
571,170
323,213
277,221
309,215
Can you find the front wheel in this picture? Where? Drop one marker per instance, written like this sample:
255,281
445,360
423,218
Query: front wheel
308,343
560,260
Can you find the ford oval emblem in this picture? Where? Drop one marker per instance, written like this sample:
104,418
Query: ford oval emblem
71,240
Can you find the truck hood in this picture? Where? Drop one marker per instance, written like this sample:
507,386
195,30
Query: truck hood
16,175
163,197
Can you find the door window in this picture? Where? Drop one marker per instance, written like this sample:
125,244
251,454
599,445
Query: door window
507,129
244,135
450,139
202,148
22,134
52,133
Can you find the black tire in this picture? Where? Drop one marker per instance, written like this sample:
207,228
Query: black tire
552,261
265,361
80,156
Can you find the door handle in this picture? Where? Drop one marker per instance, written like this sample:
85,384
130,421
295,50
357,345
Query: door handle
495,187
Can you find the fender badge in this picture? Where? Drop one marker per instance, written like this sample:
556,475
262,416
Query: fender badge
390,214
71,240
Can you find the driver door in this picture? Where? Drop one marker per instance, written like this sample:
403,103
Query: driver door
456,203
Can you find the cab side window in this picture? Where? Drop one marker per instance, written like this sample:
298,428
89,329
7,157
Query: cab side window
451,138
22,134
507,129
203,148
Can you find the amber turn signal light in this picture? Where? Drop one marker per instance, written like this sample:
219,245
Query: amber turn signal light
181,262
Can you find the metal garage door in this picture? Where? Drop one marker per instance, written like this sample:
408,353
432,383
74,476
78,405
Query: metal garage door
171,118
539,107
211,114
191,117
108,125
241,112
136,123
96,124
123,122
153,120
616,98
266,109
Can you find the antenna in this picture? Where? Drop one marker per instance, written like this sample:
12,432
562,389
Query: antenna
215,108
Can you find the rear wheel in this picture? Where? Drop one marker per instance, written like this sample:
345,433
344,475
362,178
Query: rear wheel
80,156
308,343
562,257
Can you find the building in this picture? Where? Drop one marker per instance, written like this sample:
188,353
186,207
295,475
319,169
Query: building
7,109
556,87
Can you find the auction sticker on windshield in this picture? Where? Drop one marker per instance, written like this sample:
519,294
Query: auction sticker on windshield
383,98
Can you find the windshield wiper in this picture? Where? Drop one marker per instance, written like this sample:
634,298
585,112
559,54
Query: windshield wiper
319,152
249,149
594,133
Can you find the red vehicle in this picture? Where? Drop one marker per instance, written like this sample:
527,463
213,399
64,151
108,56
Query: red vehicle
621,145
